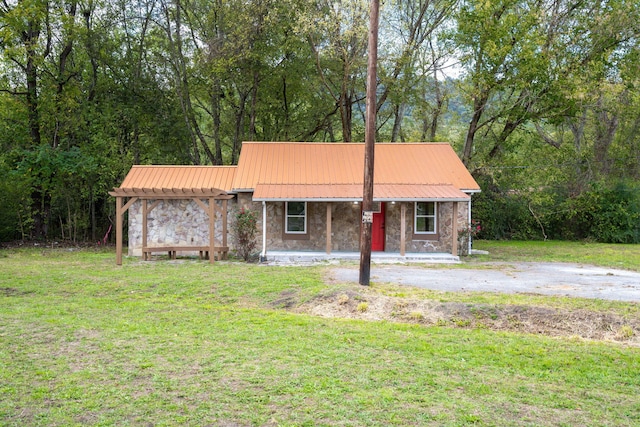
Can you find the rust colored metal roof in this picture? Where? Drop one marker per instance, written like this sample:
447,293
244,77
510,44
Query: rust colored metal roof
177,181
313,171
337,168
342,192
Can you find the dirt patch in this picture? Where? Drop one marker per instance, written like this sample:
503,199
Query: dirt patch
13,292
364,305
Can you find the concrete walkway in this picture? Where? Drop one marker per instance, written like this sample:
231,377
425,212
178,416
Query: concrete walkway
304,257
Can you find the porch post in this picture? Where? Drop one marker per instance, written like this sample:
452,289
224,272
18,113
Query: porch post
469,223
224,222
263,255
454,232
328,228
119,220
212,230
403,228
144,229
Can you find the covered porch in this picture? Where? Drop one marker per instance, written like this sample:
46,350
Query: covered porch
329,220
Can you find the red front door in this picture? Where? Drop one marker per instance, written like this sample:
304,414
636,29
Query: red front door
377,230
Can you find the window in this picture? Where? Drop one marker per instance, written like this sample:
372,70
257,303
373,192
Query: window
296,217
425,218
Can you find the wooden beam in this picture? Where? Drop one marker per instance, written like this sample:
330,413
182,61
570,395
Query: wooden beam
121,209
119,217
328,228
224,223
128,204
154,205
403,228
212,230
202,204
144,228
454,232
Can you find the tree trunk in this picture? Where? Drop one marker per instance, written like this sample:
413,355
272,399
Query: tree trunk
435,117
397,121
237,137
606,127
478,109
40,202
346,113
62,80
254,103
217,122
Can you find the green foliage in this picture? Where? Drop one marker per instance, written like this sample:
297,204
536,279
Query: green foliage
244,229
607,214
555,91
503,214
604,214
14,212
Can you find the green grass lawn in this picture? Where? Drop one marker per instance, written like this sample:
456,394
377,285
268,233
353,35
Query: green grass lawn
85,342
602,254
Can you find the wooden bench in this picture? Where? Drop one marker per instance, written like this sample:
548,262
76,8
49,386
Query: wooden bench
221,251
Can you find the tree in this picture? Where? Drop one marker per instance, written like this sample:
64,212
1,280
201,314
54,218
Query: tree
413,58
525,60
338,38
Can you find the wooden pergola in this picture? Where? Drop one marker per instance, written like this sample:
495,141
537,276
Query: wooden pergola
125,197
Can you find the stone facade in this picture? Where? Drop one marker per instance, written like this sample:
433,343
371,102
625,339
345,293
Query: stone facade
444,221
172,222
345,227
183,222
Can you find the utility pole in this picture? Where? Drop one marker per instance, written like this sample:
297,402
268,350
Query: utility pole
369,145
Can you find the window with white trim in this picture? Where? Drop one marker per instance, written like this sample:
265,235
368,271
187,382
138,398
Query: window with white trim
295,217
425,218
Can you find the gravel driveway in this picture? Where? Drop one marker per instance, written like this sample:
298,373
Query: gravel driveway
534,278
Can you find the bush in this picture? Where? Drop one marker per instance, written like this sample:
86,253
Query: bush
503,214
244,229
15,216
604,214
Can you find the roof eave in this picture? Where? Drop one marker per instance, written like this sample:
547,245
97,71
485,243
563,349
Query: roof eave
375,199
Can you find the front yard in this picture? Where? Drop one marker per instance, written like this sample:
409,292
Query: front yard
83,342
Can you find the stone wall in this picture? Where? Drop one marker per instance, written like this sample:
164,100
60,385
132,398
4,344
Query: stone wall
172,222
444,227
183,222
345,228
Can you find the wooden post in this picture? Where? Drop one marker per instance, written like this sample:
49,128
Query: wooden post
454,233
119,220
224,223
328,228
144,229
121,209
212,230
403,228
369,142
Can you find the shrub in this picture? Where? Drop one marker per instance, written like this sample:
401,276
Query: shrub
244,229
604,214
503,214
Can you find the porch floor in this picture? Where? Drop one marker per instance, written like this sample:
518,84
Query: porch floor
286,257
